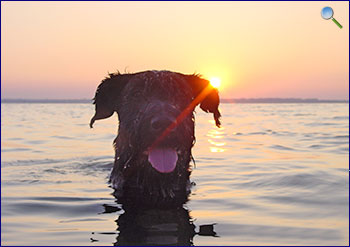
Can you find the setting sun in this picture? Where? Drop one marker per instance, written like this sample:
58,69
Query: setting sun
215,82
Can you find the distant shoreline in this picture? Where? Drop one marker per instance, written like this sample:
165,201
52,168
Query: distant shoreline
280,100
48,101
240,100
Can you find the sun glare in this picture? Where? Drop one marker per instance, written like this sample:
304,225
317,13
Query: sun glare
215,82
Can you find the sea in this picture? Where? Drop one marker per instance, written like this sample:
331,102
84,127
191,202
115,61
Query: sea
273,174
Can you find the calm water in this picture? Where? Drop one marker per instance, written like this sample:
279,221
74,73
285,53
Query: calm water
274,174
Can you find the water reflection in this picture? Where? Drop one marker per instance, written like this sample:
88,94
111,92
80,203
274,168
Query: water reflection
215,138
155,227
140,226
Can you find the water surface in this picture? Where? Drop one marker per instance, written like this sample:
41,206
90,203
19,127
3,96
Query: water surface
274,174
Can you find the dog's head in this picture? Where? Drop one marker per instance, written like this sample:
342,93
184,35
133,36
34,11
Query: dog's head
109,94
155,110
156,122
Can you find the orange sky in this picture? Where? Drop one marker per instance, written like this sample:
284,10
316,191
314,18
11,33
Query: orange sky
259,49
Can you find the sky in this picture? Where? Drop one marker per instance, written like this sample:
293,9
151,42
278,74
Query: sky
62,50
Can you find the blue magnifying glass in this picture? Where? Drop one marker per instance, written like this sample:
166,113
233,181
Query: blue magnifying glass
327,13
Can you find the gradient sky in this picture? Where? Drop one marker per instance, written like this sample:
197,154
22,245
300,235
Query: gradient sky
62,50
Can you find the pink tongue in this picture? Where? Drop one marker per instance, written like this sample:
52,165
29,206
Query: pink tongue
163,159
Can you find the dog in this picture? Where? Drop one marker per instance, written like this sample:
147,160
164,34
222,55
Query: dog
156,131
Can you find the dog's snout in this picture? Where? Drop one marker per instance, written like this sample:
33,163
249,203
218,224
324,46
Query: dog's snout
161,123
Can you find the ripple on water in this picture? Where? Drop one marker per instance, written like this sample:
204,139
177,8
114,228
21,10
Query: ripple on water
283,233
281,147
15,149
62,206
63,137
341,118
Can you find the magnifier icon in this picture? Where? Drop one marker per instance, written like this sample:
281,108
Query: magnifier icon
327,13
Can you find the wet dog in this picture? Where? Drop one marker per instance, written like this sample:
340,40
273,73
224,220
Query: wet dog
156,131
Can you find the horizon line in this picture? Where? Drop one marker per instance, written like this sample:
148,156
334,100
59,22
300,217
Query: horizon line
222,100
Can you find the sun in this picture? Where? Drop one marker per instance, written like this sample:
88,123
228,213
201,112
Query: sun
215,82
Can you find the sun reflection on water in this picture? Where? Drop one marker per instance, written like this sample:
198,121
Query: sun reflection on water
218,144
214,135
217,150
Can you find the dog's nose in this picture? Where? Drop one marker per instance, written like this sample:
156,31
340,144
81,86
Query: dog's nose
161,123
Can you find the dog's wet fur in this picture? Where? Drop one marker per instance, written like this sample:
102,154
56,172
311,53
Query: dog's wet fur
155,111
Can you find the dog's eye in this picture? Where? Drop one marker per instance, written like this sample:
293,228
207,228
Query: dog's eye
137,94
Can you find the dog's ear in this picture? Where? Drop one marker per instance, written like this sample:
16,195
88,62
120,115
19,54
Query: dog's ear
108,95
205,95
